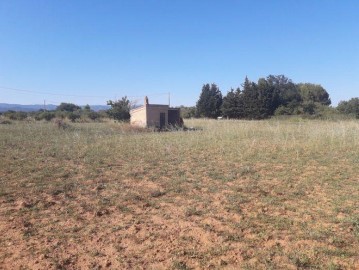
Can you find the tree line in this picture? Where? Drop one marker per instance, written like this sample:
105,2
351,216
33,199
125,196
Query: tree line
70,111
118,110
273,95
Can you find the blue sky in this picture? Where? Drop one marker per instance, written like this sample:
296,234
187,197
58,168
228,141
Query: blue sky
93,51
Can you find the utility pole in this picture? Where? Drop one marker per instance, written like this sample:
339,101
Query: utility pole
169,99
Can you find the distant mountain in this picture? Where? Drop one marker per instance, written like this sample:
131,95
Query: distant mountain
31,108
97,108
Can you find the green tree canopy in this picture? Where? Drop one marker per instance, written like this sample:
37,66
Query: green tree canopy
273,95
250,99
209,102
188,112
350,107
314,93
287,91
120,109
232,105
68,107
268,98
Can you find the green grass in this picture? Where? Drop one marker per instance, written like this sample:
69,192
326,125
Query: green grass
249,194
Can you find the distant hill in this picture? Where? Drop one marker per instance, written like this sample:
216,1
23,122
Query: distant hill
97,108
31,108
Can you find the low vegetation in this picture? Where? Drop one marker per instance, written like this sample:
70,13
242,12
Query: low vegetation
68,111
233,194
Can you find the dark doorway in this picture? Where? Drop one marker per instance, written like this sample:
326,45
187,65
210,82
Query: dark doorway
174,118
162,120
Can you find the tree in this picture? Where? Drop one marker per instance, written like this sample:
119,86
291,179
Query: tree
209,102
309,107
251,103
350,107
120,109
267,98
93,115
314,93
188,112
68,107
232,105
287,94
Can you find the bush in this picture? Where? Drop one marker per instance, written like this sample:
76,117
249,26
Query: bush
73,116
93,115
282,110
188,112
48,116
16,115
60,114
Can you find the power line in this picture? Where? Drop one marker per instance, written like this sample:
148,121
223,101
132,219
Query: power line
47,93
71,95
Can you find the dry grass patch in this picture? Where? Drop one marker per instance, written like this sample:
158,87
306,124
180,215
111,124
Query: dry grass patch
234,194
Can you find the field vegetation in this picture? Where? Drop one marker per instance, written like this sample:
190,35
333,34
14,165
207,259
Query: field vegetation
234,194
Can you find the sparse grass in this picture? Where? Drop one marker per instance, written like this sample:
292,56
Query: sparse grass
276,194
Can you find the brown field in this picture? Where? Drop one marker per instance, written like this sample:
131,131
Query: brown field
233,195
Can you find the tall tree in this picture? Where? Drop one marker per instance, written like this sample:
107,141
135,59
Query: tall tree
314,93
288,93
267,98
209,102
232,105
250,97
120,109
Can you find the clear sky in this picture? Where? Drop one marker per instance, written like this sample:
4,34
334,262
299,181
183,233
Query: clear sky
92,51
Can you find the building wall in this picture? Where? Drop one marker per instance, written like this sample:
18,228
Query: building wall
149,115
153,114
139,117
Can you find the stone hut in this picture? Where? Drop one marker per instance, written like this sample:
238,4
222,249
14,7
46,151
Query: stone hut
155,115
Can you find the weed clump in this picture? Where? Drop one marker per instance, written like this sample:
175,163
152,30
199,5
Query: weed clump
157,194
61,124
5,122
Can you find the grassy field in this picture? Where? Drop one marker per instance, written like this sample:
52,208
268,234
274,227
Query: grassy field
232,195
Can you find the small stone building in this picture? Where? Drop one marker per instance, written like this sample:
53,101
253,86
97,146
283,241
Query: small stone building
155,115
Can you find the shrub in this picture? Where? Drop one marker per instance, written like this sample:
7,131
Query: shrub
45,115
93,115
18,116
73,116
60,114
48,115
15,115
